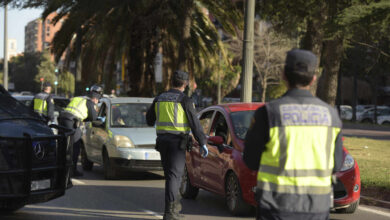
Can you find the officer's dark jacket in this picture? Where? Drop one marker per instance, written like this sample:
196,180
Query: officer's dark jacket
188,106
50,105
92,115
259,135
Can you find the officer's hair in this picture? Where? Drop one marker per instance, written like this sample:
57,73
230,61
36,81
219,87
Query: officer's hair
176,83
298,78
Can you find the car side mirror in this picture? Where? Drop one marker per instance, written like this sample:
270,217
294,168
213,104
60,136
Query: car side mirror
215,140
98,123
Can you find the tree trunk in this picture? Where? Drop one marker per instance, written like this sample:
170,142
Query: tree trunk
333,50
314,37
263,93
186,17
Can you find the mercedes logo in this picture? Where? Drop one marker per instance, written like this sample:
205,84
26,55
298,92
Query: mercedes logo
39,151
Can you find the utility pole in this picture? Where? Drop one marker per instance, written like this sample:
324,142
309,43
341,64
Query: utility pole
246,85
5,80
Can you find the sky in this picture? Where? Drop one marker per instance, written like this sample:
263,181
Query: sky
17,20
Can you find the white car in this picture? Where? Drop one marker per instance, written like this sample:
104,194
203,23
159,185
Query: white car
121,138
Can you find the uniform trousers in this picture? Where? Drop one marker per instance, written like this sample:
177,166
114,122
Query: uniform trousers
173,161
70,123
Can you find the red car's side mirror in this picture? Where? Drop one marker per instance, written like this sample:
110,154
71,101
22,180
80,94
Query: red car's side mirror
215,140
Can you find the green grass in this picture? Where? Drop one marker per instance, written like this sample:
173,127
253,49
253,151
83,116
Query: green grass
373,158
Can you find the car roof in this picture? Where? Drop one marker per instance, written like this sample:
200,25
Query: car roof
118,100
241,106
23,97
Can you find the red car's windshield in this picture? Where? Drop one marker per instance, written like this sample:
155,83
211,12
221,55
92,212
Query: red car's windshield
241,121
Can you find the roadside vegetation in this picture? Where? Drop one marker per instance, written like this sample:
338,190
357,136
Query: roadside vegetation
372,157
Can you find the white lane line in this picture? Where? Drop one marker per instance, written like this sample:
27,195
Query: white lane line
153,213
377,200
78,182
376,211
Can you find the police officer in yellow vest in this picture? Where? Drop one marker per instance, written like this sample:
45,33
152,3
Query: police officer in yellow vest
43,103
175,116
295,144
80,109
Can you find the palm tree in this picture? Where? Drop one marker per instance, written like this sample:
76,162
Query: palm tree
137,30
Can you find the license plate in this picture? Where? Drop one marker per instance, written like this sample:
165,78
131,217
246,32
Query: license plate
40,184
152,156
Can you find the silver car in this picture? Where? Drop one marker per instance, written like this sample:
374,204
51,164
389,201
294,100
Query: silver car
121,138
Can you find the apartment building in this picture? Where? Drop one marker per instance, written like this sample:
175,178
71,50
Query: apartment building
39,33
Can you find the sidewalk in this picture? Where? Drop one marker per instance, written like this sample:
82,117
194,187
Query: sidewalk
379,132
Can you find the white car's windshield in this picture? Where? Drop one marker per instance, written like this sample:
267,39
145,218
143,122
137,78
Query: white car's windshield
129,114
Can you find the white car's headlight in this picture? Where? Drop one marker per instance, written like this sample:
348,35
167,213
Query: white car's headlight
122,141
349,162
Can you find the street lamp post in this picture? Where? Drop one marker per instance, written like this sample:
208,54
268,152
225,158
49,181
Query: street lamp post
246,88
5,80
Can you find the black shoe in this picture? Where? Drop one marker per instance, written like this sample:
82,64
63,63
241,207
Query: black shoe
172,211
76,173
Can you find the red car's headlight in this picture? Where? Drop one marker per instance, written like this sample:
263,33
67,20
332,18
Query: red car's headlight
348,163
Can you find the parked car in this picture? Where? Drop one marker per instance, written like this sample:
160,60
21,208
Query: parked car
59,103
34,163
346,112
121,138
225,173
368,114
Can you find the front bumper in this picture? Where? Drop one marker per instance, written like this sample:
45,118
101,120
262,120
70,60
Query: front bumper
347,189
23,169
136,159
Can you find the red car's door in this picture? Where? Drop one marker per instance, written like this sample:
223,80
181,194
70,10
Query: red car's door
194,160
214,166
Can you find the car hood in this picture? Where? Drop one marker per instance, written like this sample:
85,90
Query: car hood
139,136
19,127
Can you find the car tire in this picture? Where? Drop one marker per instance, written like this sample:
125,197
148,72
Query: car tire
86,164
350,209
110,172
234,200
366,120
187,190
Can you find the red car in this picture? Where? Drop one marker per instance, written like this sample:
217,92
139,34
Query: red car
224,172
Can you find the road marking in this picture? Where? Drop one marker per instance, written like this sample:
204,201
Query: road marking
78,182
153,213
377,200
78,212
376,211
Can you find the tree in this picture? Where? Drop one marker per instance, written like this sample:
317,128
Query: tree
323,30
269,55
137,30
23,70
66,83
46,69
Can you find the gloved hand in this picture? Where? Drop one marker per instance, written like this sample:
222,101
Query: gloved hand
204,151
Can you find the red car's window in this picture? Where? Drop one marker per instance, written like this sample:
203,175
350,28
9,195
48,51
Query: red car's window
241,122
205,119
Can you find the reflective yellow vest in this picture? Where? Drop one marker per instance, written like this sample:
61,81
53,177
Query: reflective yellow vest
78,107
296,166
40,104
170,115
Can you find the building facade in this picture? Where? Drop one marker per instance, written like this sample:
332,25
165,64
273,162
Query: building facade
40,33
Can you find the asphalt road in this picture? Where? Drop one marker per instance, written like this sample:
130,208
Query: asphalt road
379,132
140,196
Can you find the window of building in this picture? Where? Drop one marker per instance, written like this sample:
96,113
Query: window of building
48,21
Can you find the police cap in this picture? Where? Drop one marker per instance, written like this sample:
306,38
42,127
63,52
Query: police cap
302,61
46,84
180,75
